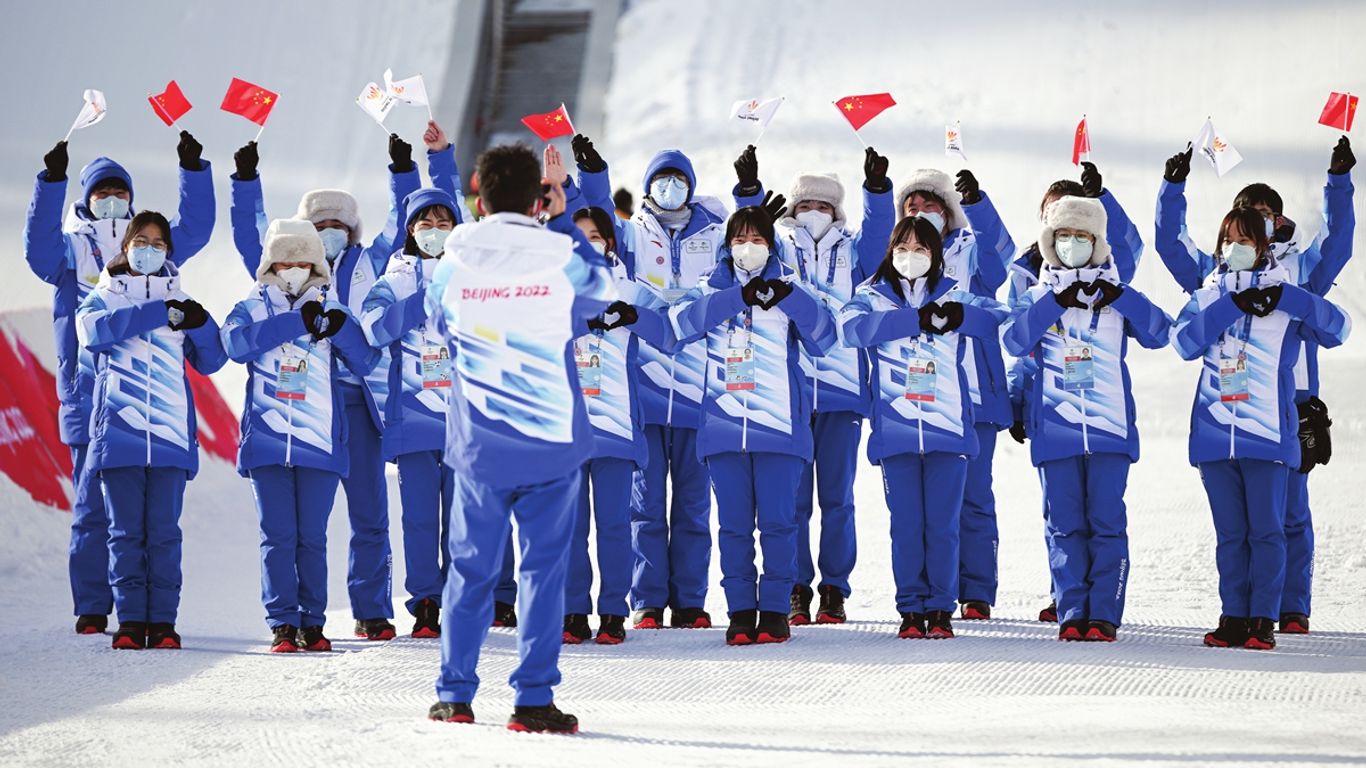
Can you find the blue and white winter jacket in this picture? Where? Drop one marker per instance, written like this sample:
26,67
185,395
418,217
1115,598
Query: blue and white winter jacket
832,268
293,411
764,410
921,385
671,262
1245,399
1312,265
1081,394
976,259
71,259
508,296
143,407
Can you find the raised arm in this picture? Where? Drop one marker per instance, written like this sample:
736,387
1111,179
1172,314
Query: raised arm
995,247
1340,222
45,245
879,214
193,224
247,215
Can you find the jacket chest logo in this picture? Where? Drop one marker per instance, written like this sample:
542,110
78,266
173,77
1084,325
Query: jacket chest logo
697,246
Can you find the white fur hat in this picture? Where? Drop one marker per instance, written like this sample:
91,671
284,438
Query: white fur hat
321,204
822,187
938,182
1084,213
293,240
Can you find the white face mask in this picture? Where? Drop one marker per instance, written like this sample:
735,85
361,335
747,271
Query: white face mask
109,207
1074,252
933,217
749,257
1270,227
669,192
334,242
599,246
431,241
1239,257
146,260
815,222
294,279
911,265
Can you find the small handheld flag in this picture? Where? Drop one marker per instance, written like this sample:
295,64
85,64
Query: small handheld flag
170,105
1081,142
375,103
859,110
250,101
550,125
953,141
1339,112
91,112
1216,149
759,111
409,90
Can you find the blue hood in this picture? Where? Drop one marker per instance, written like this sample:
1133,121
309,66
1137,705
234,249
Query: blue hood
98,170
423,198
671,158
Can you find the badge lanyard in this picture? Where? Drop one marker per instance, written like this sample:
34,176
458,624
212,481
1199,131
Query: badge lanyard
830,272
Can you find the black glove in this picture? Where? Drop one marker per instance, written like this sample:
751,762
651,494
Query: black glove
192,314
1017,432
1323,436
310,311
774,205
587,158
56,161
751,290
1284,232
1108,293
246,160
400,154
1068,297
189,151
968,187
626,314
941,318
1179,165
596,324
1309,449
747,171
777,291
1091,182
875,172
1343,159
1259,301
329,323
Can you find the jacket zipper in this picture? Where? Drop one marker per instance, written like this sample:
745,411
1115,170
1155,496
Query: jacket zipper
147,390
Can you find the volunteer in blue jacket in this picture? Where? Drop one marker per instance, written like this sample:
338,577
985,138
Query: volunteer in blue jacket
293,336
915,323
1126,248
606,356
755,434
977,249
1312,265
1247,323
71,256
355,268
674,239
1075,324
141,330
508,296
419,386
831,259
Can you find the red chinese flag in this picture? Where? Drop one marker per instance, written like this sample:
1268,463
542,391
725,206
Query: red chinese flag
550,125
250,101
26,457
858,110
1339,112
1081,142
171,104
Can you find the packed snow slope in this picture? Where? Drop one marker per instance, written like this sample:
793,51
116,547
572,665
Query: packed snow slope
1005,692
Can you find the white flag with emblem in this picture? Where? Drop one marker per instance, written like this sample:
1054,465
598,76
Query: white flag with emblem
953,141
409,90
91,112
375,103
1216,149
756,111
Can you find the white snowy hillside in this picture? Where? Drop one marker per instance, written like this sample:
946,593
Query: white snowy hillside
1004,692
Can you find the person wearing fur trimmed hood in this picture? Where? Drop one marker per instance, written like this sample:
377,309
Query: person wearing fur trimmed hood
674,239
755,434
1313,265
915,324
294,336
141,330
1247,324
355,267
1075,324
70,256
832,259
977,249
419,386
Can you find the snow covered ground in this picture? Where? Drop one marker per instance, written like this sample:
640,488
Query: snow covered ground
1003,693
